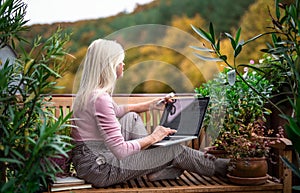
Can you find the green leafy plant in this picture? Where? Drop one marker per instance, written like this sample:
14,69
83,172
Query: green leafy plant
285,50
12,13
236,114
29,131
283,55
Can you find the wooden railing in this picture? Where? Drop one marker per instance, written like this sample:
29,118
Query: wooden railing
280,179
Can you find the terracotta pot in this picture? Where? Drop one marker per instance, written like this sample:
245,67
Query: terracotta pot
247,181
249,171
249,167
216,152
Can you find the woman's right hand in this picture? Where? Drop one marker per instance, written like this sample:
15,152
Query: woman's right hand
161,132
157,135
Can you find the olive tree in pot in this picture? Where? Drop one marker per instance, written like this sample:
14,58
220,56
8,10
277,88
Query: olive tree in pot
28,130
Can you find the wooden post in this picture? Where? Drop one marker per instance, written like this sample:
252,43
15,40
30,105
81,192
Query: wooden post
284,147
287,173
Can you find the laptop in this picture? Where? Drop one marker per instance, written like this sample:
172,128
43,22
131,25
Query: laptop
184,115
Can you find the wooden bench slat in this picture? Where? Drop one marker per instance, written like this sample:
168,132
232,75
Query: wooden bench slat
192,179
178,182
200,179
219,181
156,184
163,183
173,182
146,182
185,178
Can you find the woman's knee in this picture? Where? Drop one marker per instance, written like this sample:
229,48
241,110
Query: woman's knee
132,126
130,116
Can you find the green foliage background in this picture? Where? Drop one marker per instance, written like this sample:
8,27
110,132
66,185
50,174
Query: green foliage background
225,14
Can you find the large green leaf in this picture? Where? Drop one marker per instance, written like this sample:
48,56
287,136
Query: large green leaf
58,148
218,45
212,33
296,187
203,34
3,7
293,134
252,39
237,50
274,38
205,58
233,43
202,49
297,107
277,9
291,166
238,34
9,160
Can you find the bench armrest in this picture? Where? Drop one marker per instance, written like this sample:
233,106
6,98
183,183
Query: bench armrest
282,147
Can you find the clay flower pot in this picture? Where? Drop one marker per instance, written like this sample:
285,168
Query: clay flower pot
249,171
216,152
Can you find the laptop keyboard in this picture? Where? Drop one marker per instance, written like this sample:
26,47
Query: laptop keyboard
173,138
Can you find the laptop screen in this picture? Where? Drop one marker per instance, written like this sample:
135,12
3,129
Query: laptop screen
185,115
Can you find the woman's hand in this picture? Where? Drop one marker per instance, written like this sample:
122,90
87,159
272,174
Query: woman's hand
159,103
157,135
161,132
167,98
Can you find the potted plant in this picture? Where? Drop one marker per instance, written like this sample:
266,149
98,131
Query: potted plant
283,61
235,122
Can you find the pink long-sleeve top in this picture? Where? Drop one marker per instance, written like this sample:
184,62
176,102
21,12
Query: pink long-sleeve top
98,122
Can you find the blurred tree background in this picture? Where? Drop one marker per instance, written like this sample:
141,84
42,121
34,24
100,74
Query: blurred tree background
157,39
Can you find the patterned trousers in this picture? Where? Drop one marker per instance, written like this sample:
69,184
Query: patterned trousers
97,165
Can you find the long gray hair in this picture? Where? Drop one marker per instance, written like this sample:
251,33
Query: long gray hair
99,70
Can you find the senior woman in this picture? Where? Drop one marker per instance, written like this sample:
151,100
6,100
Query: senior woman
111,142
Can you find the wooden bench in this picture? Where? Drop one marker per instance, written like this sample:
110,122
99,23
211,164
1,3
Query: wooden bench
280,177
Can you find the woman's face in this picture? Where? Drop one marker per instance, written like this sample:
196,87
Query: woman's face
120,69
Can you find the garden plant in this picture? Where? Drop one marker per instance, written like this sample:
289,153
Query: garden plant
281,62
28,130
